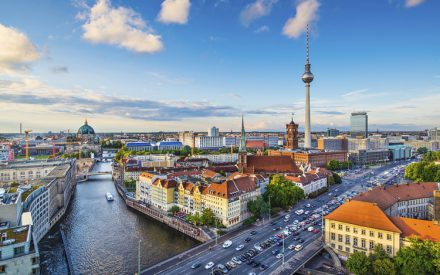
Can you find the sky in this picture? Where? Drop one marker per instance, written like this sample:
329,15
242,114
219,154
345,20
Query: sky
176,65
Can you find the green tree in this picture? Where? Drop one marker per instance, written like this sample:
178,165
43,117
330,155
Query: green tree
421,257
283,193
333,165
174,209
359,264
422,150
207,217
337,179
384,267
258,207
185,151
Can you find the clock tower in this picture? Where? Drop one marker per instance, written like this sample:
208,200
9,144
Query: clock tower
291,135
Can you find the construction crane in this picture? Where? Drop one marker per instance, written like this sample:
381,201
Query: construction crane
26,132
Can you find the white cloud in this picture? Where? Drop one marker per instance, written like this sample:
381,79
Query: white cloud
255,10
119,26
306,12
174,11
16,50
413,3
261,29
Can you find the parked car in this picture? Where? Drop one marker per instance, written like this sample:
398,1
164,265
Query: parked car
209,265
227,244
195,265
298,247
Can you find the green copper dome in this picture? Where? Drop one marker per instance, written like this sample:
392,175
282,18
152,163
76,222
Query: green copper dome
86,129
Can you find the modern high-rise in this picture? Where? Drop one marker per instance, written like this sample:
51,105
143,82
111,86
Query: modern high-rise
213,132
332,132
359,125
307,78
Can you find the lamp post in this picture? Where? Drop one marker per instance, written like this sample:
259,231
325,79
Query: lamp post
284,236
269,208
139,257
216,235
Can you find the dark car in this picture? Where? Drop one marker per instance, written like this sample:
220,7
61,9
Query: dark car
280,243
263,267
295,238
195,265
296,233
256,264
300,240
249,262
248,239
275,252
253,232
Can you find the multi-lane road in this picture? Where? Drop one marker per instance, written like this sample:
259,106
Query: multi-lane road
219,255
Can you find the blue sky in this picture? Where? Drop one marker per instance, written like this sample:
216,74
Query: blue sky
190,64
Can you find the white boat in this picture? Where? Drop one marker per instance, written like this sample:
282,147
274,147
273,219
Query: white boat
109,196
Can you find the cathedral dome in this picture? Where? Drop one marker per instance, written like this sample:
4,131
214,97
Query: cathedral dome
86,129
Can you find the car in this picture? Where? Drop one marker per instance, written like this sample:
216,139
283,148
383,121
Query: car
195,265
227,244
237,260
258,248
253,232
310,229
279,255
263,267
248,239
240,247
298,247
291,247
250,261
300,240
256,264
222,268
252,273
275,252
209,265
230,265
316,231
308,205
280,243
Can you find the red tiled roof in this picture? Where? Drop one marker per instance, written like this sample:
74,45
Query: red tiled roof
231,188
386,197
165,183
256,144
363,214
208,173
423,229
271,164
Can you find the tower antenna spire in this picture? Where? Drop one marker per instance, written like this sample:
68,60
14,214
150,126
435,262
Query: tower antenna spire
307,43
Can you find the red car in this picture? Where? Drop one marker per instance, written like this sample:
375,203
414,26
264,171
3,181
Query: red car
316,231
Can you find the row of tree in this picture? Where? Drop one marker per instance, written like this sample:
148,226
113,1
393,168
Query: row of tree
282,192
423,171
206,218
334,165
421,257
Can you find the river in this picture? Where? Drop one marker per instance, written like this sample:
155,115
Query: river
102,237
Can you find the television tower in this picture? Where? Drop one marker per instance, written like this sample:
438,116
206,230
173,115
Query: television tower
307,78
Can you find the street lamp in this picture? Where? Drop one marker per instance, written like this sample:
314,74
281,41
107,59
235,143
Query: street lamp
269,208
284,236
139,257
216,235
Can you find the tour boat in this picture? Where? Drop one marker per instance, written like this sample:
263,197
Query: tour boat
109,196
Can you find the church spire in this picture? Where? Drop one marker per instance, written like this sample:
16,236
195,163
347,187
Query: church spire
242,147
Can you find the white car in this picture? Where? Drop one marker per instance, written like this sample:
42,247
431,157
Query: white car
279,256
310,229
209,265
298,247
236,260
240,247
257,247
291,247
227,244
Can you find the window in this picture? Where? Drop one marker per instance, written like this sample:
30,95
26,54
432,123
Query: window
332,225
340,247
18,250
379,235
347,239
355,230
363,231
371,233
347,228
389,237
371,245
355,241
332,236
340,226
389,249
347,249
339,238
363,243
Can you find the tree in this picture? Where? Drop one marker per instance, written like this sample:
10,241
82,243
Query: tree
384,267
258,207
283,193
333,165
422,150
174,209
185,151
337,179
207,217
421,257
359,264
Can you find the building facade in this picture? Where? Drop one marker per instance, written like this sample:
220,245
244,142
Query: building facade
333,144
359,125
291,135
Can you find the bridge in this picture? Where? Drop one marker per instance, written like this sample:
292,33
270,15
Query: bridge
91,173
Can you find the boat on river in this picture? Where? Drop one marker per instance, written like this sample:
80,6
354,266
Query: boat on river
109,196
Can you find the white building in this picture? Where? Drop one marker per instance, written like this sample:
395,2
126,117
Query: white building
213,132
26,171
139,146
219,158
208,142
187,138
311,181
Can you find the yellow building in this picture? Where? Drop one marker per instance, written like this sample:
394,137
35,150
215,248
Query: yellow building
360,226
162,193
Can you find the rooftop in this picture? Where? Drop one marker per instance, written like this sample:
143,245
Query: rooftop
364,214
423,229
14,235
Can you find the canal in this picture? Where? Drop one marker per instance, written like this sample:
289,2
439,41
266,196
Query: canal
102,237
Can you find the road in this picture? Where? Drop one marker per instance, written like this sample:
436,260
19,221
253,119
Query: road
220,255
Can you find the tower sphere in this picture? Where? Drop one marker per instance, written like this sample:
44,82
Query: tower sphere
307,77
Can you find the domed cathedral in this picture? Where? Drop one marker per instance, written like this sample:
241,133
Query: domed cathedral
86,133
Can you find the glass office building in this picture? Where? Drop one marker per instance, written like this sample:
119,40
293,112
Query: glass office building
359,125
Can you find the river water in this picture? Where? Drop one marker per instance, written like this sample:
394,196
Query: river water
102,237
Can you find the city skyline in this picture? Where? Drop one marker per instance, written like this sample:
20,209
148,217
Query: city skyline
188,65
